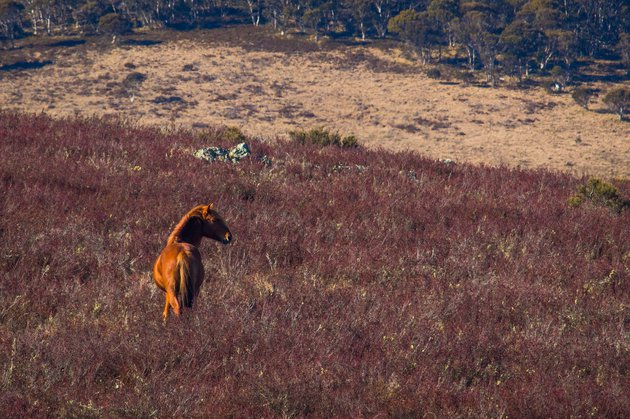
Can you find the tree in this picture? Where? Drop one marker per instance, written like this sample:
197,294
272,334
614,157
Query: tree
598,23
582,95
361,12
255,10
281,12
618,101
488,51
10,20
444,12
179,14
519,42
624,49
473,31
385,9
49,13
131,84
114,24
418,30
88,14
315,16
147,12
553,19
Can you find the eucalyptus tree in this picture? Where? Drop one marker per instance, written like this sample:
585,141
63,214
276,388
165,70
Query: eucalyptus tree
419,31
520,41
11,20
444,13
361,12
281,13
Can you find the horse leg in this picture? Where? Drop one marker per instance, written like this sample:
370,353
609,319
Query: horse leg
165,314
171,300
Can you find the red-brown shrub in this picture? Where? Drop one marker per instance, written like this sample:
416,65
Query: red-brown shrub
359,282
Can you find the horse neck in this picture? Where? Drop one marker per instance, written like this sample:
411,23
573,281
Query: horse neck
185,232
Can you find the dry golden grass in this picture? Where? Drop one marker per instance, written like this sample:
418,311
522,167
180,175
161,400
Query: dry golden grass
194,80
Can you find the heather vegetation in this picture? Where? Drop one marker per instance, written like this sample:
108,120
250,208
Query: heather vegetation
358,283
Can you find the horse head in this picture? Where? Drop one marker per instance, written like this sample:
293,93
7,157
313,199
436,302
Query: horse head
213,225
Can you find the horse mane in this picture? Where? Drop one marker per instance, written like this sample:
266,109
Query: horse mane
180,232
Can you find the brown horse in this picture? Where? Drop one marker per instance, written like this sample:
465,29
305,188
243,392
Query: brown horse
178,270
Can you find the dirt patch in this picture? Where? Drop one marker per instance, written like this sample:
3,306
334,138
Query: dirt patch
268,85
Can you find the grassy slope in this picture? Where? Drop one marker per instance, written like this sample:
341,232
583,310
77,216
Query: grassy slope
409,287
253,78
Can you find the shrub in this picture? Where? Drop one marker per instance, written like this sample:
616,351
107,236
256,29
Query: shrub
466,77
134,79
132,83
618,101
349,141
322,137
434,73
234,135
114,24
554,88
575,201
582,95
560,75
601,193
359,283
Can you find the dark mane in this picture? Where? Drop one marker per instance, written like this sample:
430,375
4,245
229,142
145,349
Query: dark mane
181,232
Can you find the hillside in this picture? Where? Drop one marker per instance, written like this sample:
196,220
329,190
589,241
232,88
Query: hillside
359,282
267,84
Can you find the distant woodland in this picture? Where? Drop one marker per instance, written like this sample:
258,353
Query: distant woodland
514,37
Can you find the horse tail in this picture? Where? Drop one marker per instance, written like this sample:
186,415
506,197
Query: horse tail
186,280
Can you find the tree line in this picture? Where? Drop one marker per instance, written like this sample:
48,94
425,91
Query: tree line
520,36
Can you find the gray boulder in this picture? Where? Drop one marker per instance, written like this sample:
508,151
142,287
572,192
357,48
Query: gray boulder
233,155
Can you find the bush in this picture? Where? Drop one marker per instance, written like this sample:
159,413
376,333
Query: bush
349,141
234,135
582,95
618,101
466,77
554,88
434,73
114,24
134,79
322,137
132,83
601,193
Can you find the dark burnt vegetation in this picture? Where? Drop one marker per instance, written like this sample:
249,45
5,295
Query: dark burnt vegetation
359,282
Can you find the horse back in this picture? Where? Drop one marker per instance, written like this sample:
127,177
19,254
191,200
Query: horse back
174,259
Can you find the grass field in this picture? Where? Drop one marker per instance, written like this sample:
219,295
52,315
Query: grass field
359,283
268,85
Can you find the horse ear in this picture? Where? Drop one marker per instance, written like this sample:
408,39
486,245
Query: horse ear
207,209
